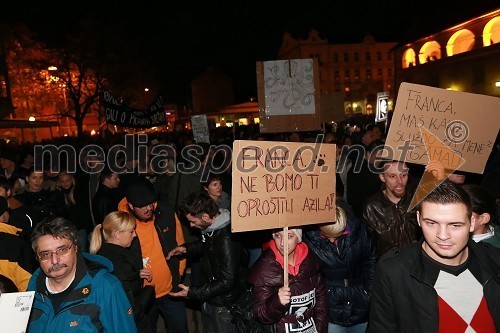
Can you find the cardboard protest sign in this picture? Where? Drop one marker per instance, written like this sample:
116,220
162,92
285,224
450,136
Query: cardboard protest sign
288,92
436,173
466,123
199,125
279,184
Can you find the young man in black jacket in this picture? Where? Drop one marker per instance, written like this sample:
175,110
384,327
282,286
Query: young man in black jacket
445,283
220,262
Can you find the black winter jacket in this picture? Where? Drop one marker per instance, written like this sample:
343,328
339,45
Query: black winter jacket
348,270
404,298
41,205
220,265
127,263
104,202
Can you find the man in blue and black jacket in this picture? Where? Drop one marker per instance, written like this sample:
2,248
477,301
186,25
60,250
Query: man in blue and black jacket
74,291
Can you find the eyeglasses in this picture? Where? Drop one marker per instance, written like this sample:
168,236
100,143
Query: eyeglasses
62,251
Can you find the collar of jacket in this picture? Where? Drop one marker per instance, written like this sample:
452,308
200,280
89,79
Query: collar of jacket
481,261
404,202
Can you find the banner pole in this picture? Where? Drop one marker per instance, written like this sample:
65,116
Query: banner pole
285,256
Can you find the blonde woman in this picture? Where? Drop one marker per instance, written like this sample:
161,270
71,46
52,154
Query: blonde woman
113,239
348,257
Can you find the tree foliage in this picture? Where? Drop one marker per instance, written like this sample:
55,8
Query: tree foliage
70,76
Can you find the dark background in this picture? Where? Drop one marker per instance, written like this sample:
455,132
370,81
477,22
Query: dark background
180,41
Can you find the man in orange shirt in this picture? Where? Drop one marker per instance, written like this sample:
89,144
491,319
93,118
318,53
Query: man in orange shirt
158,232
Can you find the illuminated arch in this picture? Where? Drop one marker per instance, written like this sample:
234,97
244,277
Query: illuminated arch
409,58
429,51
491,32
460,41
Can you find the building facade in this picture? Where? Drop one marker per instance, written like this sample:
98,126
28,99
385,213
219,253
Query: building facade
358,70
464,57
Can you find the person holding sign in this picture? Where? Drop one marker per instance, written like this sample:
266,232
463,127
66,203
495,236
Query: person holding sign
386,212
445,283
298,306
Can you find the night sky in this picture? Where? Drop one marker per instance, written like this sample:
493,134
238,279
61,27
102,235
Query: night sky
182,40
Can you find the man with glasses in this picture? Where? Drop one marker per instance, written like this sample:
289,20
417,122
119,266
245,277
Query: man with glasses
74,291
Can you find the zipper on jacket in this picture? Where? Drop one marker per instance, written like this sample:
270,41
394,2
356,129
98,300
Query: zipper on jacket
69,306
489,279
42,296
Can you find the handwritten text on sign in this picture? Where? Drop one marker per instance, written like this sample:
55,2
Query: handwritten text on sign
278,184
467,123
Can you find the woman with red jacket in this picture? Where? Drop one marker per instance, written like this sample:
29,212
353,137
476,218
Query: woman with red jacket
302,305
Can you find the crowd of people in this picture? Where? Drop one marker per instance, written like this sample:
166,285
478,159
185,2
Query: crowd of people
115,244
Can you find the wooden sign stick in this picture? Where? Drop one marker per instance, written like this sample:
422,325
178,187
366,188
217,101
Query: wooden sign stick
285,256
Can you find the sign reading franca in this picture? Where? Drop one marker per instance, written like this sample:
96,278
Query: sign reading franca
121,115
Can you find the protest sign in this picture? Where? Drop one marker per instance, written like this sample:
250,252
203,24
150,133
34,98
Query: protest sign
288,92
15,309
382,106
199,125
282,184
122,115
466,123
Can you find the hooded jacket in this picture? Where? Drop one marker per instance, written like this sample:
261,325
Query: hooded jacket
309,297
220,263
96,303
348,268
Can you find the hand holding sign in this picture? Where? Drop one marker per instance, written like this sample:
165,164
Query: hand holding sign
437,169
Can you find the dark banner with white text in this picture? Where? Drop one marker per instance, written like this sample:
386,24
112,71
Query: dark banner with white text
122,115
